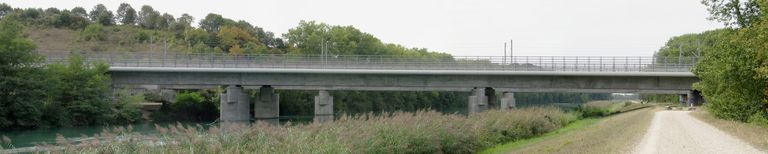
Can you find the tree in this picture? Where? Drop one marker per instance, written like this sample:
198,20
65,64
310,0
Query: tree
80,88
148,17
185,20
741,13
196,36
5,9
126,14
101,15
165,21
19,85
80,11
234,37
212,22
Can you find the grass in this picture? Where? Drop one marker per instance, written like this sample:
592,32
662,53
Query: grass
510,146
118,38
753,134
591,135
400,132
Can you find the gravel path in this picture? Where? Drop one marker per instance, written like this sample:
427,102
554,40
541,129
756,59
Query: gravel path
676,132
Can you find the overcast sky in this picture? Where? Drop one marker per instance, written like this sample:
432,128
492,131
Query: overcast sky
463,27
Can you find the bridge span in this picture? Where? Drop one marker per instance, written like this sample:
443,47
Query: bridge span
483,76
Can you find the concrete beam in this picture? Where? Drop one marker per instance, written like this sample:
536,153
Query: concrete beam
234,105
395,71
514,83
323,107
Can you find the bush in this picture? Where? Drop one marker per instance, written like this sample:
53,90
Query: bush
759,118
190,106
399,132
601,108
94,32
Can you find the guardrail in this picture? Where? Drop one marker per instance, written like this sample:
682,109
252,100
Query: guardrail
285,61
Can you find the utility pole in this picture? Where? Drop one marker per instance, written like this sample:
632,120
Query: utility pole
504,59
322,51
511,51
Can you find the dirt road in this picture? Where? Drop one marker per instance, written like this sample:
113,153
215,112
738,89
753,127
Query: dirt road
677,132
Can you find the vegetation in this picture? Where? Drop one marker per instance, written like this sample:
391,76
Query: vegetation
733,64
614,134
418,132
602,108
73,94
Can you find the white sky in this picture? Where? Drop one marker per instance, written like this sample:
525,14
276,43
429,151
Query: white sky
463,27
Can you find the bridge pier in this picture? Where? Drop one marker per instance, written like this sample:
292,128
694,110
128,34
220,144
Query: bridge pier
323,107
267,105
478,100
234,105
508,101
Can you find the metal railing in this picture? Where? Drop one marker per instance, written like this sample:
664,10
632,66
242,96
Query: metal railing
379,62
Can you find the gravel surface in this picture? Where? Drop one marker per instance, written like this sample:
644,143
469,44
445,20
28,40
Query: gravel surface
676,132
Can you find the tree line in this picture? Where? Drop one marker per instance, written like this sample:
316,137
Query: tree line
733,61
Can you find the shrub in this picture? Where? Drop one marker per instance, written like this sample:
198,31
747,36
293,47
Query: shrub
399,132
94,32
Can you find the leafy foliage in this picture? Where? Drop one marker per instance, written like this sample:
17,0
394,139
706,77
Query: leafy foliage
31,95
742,13
19,85
732,67
101,15
94,32
126,14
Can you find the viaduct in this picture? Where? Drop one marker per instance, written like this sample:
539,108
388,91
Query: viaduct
483,77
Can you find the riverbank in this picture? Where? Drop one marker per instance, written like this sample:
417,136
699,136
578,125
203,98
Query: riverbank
592,135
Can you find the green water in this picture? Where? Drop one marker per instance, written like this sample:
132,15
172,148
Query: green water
32,137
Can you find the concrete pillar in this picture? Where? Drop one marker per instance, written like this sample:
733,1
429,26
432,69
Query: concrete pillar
267,105
234,105
323,107
508,101
478,101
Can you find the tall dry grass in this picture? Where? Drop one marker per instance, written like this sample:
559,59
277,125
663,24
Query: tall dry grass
399,132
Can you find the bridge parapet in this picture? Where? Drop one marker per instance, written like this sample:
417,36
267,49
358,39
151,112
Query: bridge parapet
380,62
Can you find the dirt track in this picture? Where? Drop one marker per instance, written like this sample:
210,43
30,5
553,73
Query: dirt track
677,132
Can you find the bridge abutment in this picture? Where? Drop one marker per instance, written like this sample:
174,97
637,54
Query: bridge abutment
235,105
323,107
508,101
267,105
